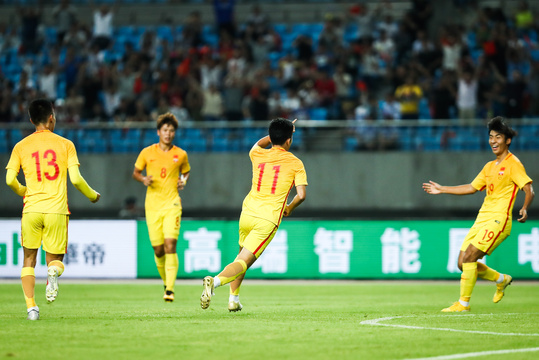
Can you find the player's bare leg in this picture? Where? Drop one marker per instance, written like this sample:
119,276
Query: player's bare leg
230,273
234,303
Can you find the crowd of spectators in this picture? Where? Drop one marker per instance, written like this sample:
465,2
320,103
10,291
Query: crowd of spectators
360,64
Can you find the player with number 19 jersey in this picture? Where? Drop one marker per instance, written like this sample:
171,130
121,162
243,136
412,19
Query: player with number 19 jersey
165,169
44,158
275,172
502,182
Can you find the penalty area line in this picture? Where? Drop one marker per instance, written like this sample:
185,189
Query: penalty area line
378,322
477,354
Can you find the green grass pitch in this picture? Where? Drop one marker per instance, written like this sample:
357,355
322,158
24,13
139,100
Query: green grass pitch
290,320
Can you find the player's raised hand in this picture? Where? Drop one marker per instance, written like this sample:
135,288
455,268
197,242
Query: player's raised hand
523,215
97,198
432,188
147,180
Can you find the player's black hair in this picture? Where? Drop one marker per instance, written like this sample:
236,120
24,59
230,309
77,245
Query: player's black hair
40,110
280,130
499,125
167,118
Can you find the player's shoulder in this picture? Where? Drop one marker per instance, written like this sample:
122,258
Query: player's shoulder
512,158
293,157
149,148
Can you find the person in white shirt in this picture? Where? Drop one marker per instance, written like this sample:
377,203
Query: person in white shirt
103,26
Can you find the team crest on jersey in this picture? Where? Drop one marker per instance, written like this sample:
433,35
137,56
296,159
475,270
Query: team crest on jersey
500,173
176,159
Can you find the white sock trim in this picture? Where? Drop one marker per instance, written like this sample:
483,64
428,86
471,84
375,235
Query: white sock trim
500,279
216,282
235,298
464,303
32,308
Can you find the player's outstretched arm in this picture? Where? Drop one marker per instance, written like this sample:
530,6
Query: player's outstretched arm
530,194
13,183
434,189
298,199
80,184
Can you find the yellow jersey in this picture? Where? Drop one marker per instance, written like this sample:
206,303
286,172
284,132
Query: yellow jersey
501,182
408,106
275,172
165,167
44,158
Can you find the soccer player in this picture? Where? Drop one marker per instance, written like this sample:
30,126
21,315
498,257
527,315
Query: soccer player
275,171
167,171
46,159
501,178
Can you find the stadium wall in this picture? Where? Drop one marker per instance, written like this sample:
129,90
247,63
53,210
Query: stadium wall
344,182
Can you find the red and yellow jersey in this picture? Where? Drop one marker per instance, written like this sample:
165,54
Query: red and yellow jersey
275,172
165,167
502,182
44,158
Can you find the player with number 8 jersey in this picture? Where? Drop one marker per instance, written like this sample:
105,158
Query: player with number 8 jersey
275,172
167,171
46,159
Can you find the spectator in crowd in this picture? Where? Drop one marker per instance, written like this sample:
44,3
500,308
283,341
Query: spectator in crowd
65,18
30,23
213,104
103,25
443,97
259,21
233,94
533,87
343,83
47,80
224,17
192,30
391,108
523,17
467,93
409,95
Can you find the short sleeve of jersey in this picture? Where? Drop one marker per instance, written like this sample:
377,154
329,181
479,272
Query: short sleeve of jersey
253,150
301,176
141,160
480,181
518,175
72,158
15,160
185,167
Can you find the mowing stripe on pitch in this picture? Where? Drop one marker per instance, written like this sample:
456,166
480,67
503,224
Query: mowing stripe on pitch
479,353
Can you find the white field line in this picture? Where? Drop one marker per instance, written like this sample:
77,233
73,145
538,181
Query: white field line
477,354
378,322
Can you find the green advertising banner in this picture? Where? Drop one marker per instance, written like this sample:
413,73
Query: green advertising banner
345,250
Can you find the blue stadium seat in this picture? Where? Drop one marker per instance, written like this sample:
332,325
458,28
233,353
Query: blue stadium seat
3,142
281,29
15,135
318,113
351,143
